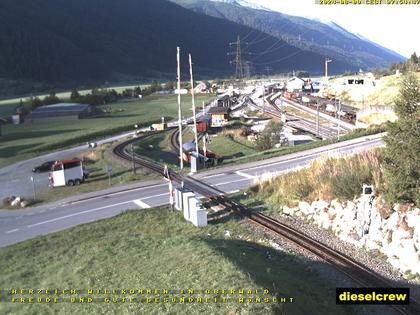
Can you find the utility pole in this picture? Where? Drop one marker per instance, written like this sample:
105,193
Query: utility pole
181,161
193,106
339,120
204,145
317,119
327,61
263,98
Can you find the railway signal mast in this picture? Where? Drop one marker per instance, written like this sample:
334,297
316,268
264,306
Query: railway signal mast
181,161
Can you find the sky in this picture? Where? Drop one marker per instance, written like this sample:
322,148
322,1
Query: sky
396,27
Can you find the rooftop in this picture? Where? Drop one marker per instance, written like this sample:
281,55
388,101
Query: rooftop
58,110
61,107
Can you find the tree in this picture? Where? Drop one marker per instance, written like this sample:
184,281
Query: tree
270,136
35,102
170,85
155,86
137,90
401,155
414,59
75,95
51,99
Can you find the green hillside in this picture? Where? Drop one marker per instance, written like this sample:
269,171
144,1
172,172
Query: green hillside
155,249
79,43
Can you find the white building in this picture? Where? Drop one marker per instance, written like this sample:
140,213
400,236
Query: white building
295,84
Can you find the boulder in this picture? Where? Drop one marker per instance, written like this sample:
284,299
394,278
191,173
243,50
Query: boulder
399,234
24,203
413,218
337,205
324,221
392,222
382,207
351,205
15,202
288,211
416,238
332,213
372,244
408,256
320,205
305,207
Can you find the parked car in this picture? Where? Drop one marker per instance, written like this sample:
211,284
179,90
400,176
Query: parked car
44,167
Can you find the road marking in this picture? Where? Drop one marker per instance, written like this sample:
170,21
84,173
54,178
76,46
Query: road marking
333,148
150,197
215,175
141,204
114,194
77,213
245,175
233,191
233,181
12,231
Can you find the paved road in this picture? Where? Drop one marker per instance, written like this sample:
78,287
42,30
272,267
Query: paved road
19,225
15,178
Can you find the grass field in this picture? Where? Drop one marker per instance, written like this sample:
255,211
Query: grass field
7,105
384,92
156,148
230,146
156,249
24,141
226,143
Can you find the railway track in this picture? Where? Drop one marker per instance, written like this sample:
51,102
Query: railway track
359,273
173,141
300,123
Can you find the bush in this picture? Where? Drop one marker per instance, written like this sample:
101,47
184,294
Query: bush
340,178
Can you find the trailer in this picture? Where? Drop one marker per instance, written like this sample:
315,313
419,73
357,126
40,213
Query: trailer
67,173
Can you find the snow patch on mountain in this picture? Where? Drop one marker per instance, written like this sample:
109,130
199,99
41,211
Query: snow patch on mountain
244,3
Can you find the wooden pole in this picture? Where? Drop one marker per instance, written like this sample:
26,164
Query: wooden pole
193,106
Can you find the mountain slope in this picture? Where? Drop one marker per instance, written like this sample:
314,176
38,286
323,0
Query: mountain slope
77,42
327,39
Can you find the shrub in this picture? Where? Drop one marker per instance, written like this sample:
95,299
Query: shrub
328,179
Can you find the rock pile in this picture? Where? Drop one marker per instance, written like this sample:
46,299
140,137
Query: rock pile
367,223
15,202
